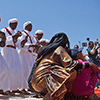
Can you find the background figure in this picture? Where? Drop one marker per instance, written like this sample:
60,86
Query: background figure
93,53
25,52
93,56
44,42
10,30
38,35
4,70
11,56
76,47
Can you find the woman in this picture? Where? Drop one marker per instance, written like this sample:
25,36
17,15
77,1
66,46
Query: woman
84,84
54,71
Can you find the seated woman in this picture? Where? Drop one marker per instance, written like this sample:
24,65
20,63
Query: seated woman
84,84
54,70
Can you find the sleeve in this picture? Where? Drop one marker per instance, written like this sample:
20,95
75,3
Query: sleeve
4,30
18,44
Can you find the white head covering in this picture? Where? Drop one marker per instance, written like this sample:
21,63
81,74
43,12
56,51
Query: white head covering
26,23
39,32
42,40
13,20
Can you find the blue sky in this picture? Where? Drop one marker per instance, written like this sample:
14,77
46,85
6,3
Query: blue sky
79,19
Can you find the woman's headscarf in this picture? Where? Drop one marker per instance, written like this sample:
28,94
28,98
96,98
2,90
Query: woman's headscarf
59,39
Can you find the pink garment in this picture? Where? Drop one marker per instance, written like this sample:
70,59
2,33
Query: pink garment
84,83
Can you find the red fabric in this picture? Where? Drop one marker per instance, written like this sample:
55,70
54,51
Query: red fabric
36,38
28,35
8,31
97,92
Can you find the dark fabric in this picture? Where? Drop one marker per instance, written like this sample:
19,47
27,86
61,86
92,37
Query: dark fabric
59,39
87,65
78,66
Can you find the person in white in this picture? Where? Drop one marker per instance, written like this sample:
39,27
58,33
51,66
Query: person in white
44,42
4,69
11,56
26,56
38,35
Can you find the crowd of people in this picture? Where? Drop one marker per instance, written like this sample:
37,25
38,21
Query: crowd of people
50,68
18,54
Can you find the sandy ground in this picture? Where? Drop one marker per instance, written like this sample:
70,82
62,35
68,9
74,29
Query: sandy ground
19,97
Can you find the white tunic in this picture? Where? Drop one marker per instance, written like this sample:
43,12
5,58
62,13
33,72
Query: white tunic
6,33
27,59
4,75
12,59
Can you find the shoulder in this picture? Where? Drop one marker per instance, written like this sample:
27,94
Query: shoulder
60,49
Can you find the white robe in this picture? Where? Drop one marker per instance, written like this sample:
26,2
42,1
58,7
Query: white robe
6,33
12,59
27,59
4,75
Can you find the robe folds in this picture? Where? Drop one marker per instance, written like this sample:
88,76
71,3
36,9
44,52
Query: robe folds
4,75
12,59
55,74
27,58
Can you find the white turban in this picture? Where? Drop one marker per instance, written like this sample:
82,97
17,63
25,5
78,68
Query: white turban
46,40
26,23
13,20
39,32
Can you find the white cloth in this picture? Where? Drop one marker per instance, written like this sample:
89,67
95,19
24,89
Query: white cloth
27,59
4,75
13,20
12,59
26,23
39,32
46,40
6,33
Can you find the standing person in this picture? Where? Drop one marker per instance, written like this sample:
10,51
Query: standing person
38,35
93,56
11,56
10,30
25,53
93,53
4,70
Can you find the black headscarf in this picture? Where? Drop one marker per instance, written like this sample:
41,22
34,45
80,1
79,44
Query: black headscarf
59,39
